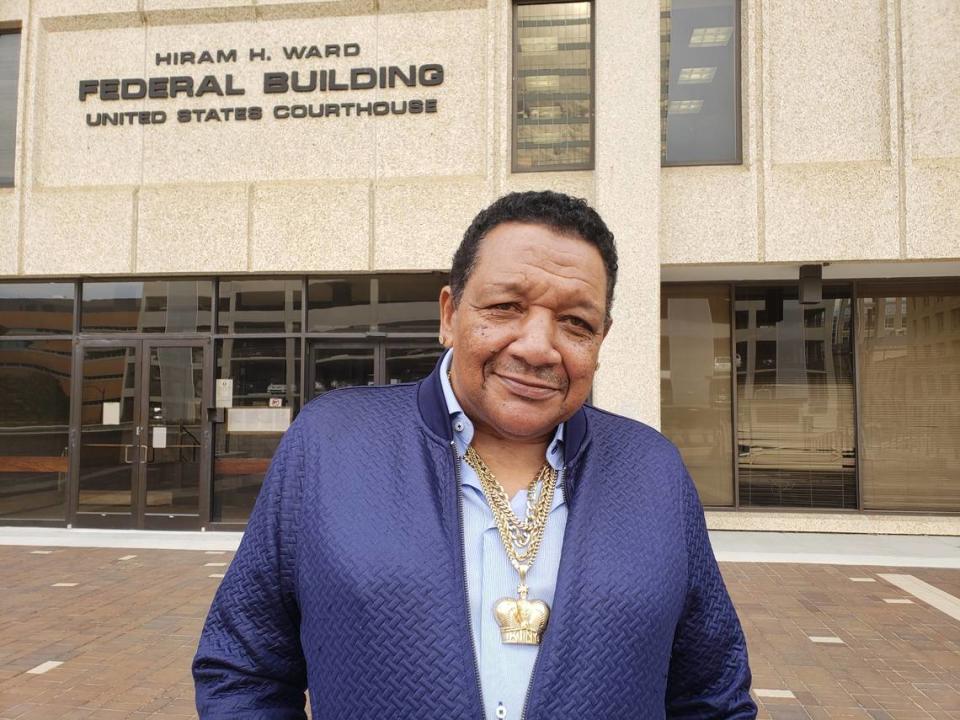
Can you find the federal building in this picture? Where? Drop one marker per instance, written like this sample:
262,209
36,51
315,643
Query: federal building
213,211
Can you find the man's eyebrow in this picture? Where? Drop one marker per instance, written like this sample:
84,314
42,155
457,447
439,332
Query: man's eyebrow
514,287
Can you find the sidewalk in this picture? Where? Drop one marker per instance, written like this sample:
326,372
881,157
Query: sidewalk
825,640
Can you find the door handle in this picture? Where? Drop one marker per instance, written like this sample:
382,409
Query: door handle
126,454
148,454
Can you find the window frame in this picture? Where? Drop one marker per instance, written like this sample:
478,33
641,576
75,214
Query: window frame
14,29
590,164
738,95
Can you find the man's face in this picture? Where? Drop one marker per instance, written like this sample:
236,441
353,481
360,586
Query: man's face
527,330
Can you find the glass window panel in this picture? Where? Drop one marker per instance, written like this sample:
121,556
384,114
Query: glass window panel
553,87
151,306
339,304
36,308
410,363
259,306
699,78
108,439
265,374
34,422
410,303
910,396
695,385
9,72
334,366
795,405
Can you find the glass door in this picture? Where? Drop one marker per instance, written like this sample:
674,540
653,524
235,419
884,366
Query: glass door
143,434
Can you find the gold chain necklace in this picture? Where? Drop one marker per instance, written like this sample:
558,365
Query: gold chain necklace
522,621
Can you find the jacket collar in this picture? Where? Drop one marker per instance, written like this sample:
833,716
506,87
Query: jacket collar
433,409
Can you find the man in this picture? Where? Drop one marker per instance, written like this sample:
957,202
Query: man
482,544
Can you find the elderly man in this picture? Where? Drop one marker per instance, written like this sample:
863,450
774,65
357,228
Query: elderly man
482,544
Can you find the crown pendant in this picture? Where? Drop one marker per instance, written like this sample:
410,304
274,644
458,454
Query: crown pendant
522,621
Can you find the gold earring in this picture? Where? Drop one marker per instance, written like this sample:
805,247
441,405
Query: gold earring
598,365
441,340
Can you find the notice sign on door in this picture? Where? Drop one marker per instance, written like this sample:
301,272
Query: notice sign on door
111,413
159,437
225,393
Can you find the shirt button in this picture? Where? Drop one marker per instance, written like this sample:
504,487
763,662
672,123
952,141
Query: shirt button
458,426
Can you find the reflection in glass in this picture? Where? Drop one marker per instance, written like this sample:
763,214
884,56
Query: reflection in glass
259,306
9,71
152,306
265,374
909,347
173,431
553,87
36,308
410,363
695,378
699,72
339,304
109,447
334,366
385,303
795,414
34,419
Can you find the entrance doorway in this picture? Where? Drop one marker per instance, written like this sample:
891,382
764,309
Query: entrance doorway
144,439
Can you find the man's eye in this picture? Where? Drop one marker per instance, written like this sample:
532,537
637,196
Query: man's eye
579,323
504,306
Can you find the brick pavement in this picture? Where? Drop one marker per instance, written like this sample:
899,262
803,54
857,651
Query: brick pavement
127,631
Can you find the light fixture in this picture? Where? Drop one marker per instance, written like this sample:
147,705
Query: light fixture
697,75
684,107
711,36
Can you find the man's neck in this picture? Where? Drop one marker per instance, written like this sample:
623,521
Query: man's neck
515,463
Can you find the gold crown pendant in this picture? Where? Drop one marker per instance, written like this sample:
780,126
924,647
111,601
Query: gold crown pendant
521,621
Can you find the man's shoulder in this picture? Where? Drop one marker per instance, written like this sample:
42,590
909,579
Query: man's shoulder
370,406
618,431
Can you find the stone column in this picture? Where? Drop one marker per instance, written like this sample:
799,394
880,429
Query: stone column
628,197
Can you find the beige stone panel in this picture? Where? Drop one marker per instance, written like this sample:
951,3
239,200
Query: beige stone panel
287,9
708,214
411,6
847,212
628,198
575,184
192,229
453,140
67,151
419,224
316,227
933,210
9,231
827,82
12,11
267,149
60,15
168,12
71,231
932,39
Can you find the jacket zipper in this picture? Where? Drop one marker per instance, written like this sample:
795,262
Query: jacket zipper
463,567
526,696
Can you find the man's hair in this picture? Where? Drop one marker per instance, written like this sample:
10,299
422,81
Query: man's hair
561,213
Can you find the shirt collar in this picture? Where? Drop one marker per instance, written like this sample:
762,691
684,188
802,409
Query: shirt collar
463,427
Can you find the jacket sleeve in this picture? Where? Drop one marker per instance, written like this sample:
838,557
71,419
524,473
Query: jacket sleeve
709,676
249,662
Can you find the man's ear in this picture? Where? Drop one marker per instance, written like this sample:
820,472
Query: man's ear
448,309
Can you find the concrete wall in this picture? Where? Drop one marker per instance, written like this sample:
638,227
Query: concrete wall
316,195
850,143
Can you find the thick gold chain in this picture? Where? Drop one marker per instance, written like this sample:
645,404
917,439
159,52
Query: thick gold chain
521,538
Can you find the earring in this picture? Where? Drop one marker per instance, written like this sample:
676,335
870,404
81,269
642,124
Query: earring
598,365
441,340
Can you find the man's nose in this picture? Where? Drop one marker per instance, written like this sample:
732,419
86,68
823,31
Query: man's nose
536,344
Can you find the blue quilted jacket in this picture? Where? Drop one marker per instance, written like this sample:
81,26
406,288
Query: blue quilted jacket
350,579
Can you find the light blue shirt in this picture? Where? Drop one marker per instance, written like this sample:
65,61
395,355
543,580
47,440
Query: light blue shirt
504,669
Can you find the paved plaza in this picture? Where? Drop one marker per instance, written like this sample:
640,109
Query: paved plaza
109,633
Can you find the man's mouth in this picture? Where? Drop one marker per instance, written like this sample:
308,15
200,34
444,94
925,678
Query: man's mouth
530,388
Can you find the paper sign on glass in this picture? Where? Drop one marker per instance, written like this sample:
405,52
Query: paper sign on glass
225,393
159,437
111,413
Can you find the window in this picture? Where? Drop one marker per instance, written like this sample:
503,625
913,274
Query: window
147,306
553,86
9,71
700,82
